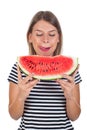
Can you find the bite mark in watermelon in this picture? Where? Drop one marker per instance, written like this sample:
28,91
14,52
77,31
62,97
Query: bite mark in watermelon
47,67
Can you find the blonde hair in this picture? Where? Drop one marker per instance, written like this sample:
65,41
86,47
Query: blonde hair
52,19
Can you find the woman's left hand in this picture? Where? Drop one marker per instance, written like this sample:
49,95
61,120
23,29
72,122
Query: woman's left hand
68,84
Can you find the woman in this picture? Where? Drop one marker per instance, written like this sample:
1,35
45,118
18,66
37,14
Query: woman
44,105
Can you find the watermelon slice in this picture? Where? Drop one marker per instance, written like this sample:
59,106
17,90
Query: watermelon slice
47,67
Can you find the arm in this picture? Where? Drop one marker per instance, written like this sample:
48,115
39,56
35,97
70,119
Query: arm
73,104
16,104
18,94
72,95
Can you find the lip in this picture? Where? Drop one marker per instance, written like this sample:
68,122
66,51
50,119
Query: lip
44,48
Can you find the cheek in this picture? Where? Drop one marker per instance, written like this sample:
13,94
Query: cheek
35,40
55,41
32,38
57,38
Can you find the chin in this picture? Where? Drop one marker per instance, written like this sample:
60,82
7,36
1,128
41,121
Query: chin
46,55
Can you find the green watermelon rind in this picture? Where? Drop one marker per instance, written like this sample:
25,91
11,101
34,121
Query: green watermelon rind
49,77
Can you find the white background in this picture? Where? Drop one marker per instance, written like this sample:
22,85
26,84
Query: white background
15,16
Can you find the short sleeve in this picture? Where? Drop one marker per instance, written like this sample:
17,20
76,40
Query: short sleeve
13,76
78,78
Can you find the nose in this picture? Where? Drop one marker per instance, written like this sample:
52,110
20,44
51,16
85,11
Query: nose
45,39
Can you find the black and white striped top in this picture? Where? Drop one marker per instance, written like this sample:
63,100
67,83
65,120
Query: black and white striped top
45,107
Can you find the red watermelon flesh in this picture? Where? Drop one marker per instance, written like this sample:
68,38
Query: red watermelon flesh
47,67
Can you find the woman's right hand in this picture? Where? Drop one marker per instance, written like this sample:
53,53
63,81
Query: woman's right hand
18,94
25,85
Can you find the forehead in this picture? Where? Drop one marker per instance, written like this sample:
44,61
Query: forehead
44,25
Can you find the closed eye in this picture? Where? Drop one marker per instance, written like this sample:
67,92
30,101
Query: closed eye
39,34
52,35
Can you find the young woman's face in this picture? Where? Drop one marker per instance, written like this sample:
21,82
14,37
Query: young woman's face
44,38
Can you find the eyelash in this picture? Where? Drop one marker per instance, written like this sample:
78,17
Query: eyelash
39,34
52,35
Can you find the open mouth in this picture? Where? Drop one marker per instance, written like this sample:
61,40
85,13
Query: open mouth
44,48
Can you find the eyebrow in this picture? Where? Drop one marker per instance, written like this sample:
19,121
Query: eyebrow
42,31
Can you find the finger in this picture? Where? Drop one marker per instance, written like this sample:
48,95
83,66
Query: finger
32,83
71,78
28,78
62,83
68,78
19,73
74,74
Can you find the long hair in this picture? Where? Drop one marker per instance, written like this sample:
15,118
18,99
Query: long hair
52,19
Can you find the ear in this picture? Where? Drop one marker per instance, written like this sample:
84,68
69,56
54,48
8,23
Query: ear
30,38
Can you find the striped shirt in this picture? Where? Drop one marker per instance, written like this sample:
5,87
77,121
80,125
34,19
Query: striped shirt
45,107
